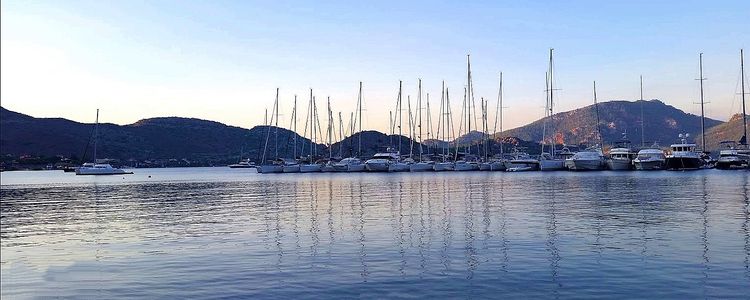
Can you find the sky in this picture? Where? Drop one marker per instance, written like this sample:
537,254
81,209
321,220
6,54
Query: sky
223,60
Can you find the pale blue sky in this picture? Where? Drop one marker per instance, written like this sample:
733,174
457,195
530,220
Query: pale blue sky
222,60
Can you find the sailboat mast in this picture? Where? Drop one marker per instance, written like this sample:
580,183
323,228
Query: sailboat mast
330,130
703,121
546,109
468,98
551,100
276,139
359,106
596,107
411,126
341,135
96,133
744,117
499,112
419,118
294,130
643,132
429,123
398,112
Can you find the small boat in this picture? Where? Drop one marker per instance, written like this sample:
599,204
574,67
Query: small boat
290,168
246,163
684,156
649,159
275,166
591,159
95,168
463,165
311,168
519,169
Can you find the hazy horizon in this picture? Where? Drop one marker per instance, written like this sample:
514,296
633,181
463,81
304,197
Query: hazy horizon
222,61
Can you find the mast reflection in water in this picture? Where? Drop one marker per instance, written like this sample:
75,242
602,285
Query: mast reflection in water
532,235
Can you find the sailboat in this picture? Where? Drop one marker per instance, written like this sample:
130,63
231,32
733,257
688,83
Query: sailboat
734,157
399,165
684,155
591,158
276,165
311,164
330,132
498,162
423,162
551,161
381,161
353,163
94,168
292,165
444,127
467,162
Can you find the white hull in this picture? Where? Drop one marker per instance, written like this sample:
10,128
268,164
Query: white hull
328,168
466,166
619,164
485,166
443,166
290,169
398,167
646,165
356,168
311,168
551,165
100,171
584,164
421,167
515,164
267,169
497,166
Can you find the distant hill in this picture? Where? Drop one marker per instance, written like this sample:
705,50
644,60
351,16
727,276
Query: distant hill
729,131
156,138
663,123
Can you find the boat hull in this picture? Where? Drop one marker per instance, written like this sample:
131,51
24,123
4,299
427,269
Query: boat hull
731,162
683,163
377,166
485,167
525,165
648,165
328,169
466,167
87,171
421,167
619,164
290,169
584,164
551,165
398,167
443,166
497,166
312,168
268,169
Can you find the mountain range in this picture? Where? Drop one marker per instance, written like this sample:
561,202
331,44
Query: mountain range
214,143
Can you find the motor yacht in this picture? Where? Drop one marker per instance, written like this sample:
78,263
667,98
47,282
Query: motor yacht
521,161
683,156
589,159
381,160
732,158
99,169
649,159
349,164
621,157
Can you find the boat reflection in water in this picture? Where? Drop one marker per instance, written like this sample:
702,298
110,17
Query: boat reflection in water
364,235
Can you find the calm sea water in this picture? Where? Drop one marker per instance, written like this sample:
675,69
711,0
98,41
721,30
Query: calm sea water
225,233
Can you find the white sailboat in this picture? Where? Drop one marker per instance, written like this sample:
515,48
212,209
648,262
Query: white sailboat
311,165
398,165
467,162
353,163
423,163
737,155
552,160
276,165
497,162
444,127
94,168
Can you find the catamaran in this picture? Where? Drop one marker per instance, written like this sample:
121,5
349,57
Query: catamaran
94,168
